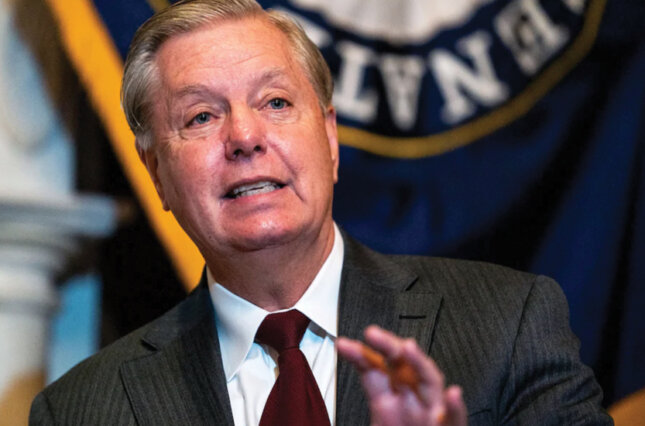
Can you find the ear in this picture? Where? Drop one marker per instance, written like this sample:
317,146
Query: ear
149,159
332,137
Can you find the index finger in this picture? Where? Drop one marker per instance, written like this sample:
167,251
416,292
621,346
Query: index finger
407,352
399,371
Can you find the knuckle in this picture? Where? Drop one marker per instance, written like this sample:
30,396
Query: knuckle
410,343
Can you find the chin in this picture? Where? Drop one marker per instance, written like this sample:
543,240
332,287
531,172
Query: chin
266,237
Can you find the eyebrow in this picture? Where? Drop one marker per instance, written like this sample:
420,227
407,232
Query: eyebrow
266,77
193,89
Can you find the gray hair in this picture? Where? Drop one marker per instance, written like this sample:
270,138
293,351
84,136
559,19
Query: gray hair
140,71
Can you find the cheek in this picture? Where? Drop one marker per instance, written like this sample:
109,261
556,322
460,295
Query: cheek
189,171
314,169
305,145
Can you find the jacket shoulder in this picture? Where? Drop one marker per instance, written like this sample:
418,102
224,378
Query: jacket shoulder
90,389
94,387
438,274
458,275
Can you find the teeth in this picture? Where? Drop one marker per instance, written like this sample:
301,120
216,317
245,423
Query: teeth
253,189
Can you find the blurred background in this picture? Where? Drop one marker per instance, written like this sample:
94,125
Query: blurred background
508,131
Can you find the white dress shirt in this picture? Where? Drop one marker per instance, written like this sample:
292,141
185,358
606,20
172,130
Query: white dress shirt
250,368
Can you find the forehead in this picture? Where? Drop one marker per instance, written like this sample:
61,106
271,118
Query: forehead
225,50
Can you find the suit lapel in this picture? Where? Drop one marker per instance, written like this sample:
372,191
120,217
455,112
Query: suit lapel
374,290
182,380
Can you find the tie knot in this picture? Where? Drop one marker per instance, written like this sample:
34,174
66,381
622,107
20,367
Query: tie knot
283,330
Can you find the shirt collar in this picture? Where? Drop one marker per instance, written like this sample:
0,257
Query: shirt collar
238,320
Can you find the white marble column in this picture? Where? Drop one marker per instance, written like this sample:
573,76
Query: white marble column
38,237
43,222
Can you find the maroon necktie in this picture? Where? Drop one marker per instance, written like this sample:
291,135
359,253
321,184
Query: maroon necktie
295,399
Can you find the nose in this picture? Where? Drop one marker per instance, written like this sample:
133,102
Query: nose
246,134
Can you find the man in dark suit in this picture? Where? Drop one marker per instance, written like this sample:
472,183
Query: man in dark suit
231,108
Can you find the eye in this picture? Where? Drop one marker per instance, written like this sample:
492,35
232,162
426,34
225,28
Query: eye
201,118
278,103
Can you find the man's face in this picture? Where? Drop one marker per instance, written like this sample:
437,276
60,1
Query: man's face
243,155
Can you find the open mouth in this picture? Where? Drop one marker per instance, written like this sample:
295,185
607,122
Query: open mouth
253,189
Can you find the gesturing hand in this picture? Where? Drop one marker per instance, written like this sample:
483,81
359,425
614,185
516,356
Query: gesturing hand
403,385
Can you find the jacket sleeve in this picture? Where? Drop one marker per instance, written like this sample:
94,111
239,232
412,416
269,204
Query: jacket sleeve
547,382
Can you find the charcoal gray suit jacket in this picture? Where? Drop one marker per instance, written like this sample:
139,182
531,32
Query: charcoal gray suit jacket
502,335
